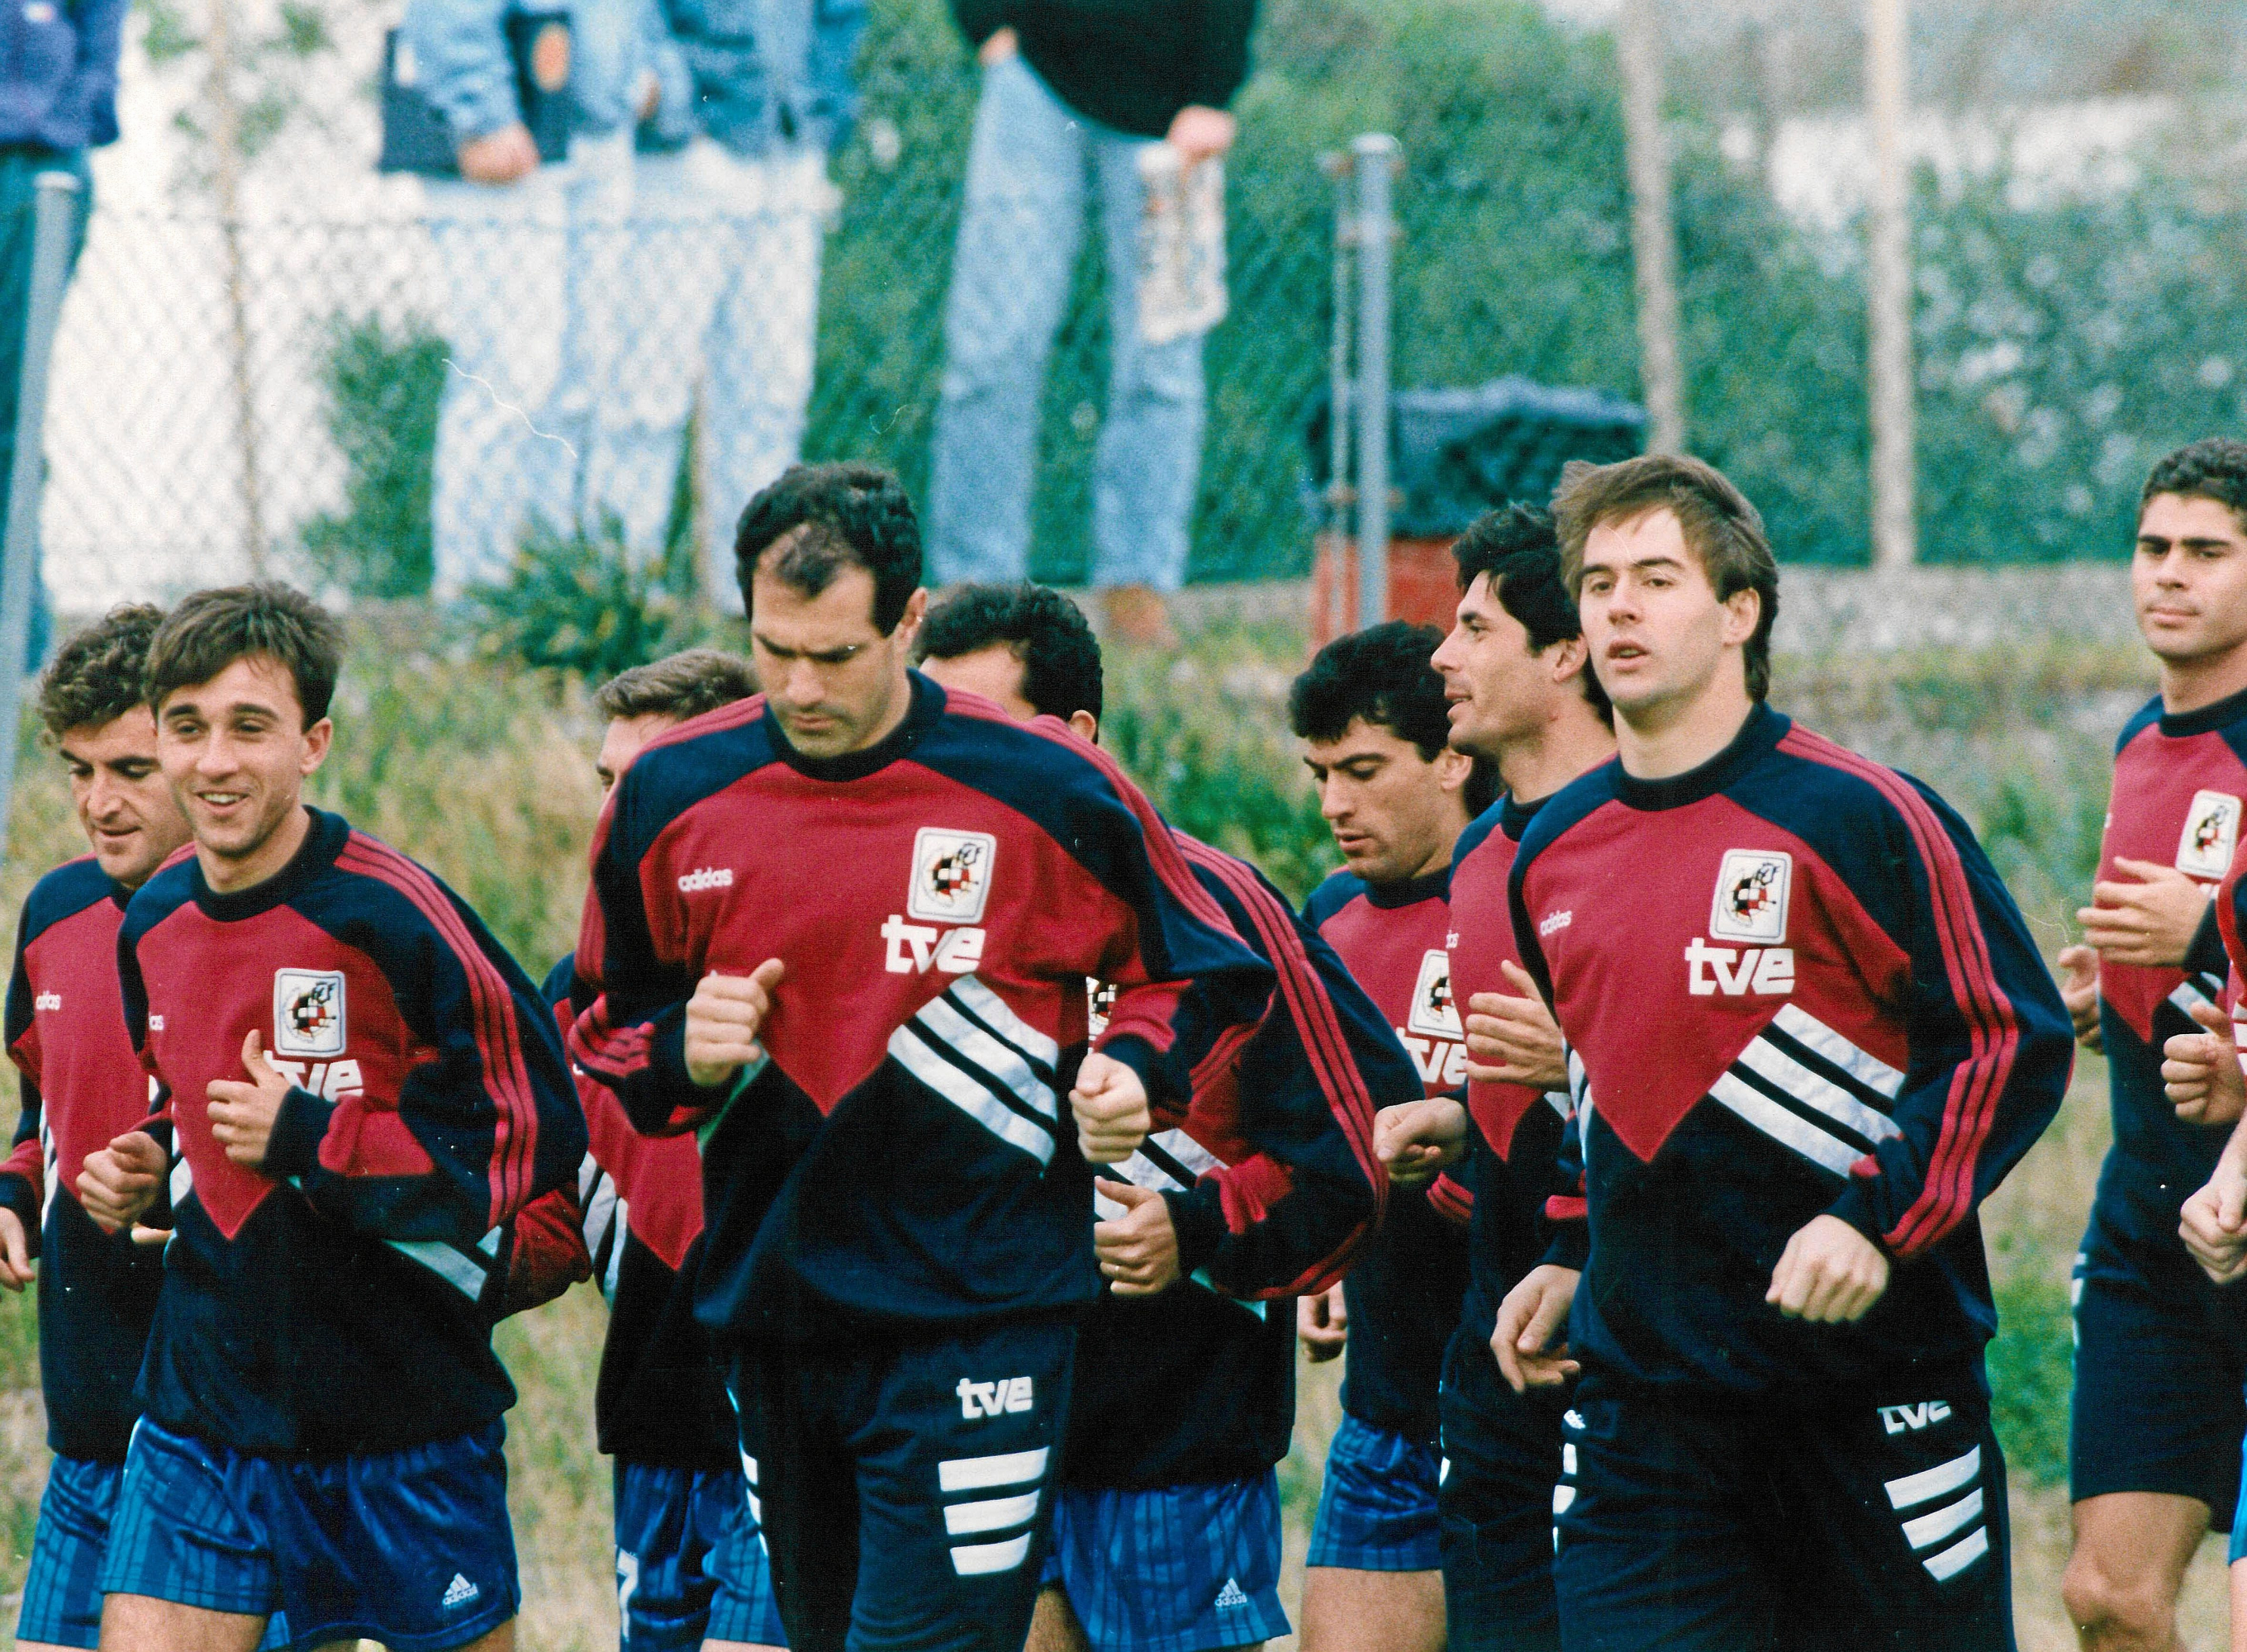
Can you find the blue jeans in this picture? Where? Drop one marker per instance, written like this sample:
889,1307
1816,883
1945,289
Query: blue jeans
1010,277
20,167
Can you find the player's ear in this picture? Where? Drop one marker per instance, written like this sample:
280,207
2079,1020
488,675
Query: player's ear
1569,658
1453,768
1086,726
909,622
1742,611
317,739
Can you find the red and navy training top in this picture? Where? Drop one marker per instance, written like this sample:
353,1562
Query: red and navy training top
82,1085
1272,1185
2180,784
339,1300
905,1155
1797,986
1403,1291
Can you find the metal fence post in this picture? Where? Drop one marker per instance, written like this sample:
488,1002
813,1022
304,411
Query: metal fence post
50,241
1376,156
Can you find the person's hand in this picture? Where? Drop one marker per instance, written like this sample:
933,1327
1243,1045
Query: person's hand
120,1181
1416,1139
1528,1321
1514,1040
1198,133
2201,1072
1138,1251
998,45
500,157
723,1020
650,95
2213,1224
15,1266
2150,922
1322,1322
2078,990
241,1115
1110,1105
1829,1273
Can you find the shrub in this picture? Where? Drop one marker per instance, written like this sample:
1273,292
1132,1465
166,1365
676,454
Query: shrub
383,391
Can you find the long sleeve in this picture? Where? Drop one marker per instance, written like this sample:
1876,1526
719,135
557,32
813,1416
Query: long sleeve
1218,59
465,66
1990,1042
22,1176
487,1124
89,97
1285,1217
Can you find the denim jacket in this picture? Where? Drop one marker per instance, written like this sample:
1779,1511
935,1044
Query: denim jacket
757,74
58,72
462,48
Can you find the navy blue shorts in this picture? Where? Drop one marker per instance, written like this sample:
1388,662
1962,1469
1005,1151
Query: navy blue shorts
1378,1508
906,1484
690,1563
1180,1568
62,1590
412,1548
1770,1523
2160,1356
1502,1459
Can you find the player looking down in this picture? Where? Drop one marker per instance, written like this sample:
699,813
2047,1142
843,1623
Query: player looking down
1167,1529
1814,1034
362,1089
2160,1351
1371,712
842,932
82,1084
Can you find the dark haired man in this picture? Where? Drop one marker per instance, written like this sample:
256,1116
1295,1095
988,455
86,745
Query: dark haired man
1372,715
82,1085
2161,1350
1523,698
322,1406
843,932
1814,1033
690,1570
1167,1536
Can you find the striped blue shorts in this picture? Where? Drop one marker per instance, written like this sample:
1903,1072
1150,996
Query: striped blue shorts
691,1563
1181,1569
1378,1509
410,1547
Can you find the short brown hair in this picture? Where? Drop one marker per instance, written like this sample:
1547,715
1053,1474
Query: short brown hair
96,676
682,686
212,629
1720,527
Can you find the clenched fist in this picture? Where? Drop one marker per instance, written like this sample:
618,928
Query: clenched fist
723,1020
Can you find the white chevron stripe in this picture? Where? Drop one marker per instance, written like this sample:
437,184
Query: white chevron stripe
1189,1152
2188,997
1861,1065
994,1057
1789,1130
992,1514
969,1096
992,1010
980,1473
1939,1481
979,1559
183,1180
1931,1529
1768,1061
446,1262
1959,1556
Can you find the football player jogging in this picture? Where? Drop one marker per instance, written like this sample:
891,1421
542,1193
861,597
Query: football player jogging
1814,1034
1371,712
2162,1351
842,932
690,1570
1167,1527
1524,697
362,1087
82,1084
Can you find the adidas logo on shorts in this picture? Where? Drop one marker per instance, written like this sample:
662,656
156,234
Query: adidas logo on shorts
1230,1599
460,1592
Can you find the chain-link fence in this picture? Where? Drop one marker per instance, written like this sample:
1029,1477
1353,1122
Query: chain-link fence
286,386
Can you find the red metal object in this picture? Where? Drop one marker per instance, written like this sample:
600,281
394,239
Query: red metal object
1423,585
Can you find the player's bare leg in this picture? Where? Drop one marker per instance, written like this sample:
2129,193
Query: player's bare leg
754,1646
142,1623
1053,1627
1350,1611
2122,1582
2239,1606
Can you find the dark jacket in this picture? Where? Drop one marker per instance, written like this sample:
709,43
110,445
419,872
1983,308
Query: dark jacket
59,88
1130,65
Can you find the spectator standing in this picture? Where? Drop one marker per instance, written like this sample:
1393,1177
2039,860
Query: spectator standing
58,100
1070,85
730,205
523,246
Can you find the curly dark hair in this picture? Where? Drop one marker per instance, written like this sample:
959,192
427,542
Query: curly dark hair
2213,468
683,685
849,515
212,629
96,676
1048,633
1519,549
1381,674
